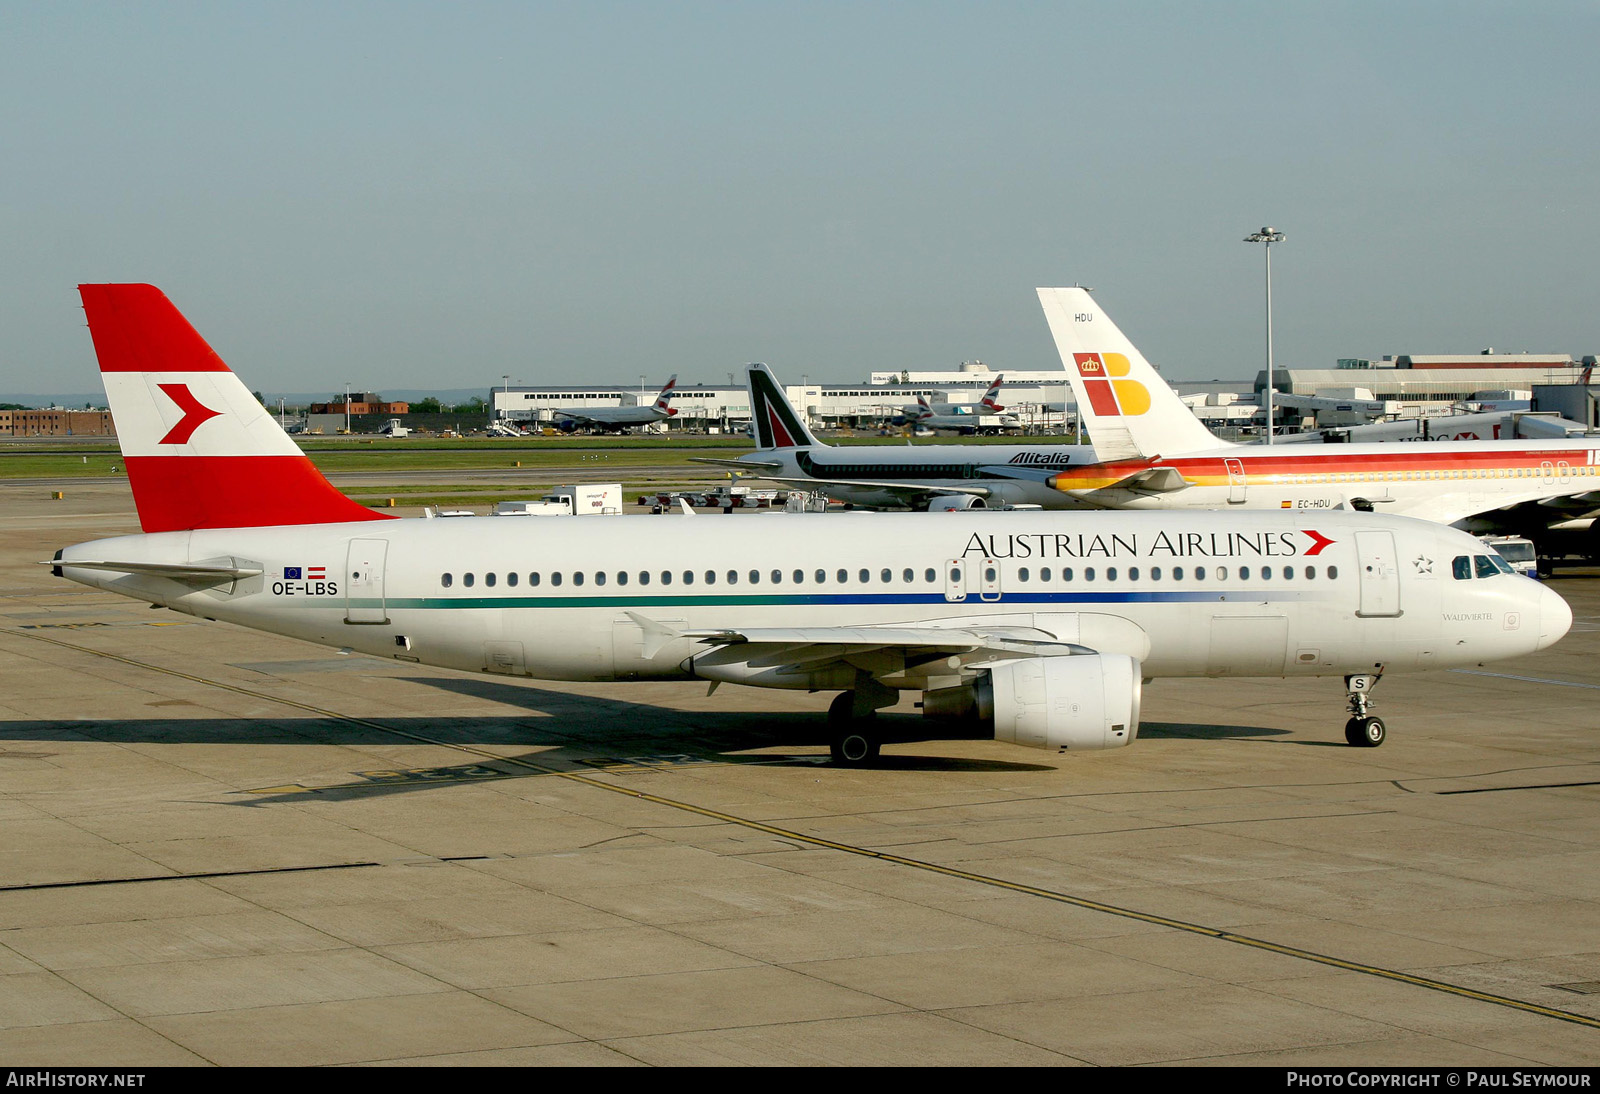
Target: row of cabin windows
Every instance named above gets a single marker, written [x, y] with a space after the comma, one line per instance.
[1024, 575]
[688, 577]
[1546, 472]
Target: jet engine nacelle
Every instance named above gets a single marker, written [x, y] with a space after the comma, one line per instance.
[951, 502]
[567, 425]
[1069, 703]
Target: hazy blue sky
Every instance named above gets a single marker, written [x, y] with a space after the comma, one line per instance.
[405, 195]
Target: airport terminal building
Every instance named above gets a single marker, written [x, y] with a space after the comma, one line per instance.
[1041, 401]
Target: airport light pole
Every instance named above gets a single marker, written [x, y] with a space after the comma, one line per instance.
[347, 408]
[1268, 236]
[505, 411]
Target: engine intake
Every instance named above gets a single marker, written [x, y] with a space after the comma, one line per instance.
[1068, 703]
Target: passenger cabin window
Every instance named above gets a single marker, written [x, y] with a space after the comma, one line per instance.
[447, 580]
[644, 577]
[555, 578]
[468, 580]
[577, 578]
[533, 578]
[511, 579]
[488, 579]
[600, 577]
[666, 577]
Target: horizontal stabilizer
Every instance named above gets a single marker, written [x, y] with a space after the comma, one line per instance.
[179, 571]
[739, 465]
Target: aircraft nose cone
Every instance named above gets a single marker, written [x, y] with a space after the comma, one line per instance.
[1555, 617]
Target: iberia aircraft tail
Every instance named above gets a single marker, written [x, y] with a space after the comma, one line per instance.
[200, 450]
[1128, 407]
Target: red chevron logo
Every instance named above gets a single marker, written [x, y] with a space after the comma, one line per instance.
[194, 413]
[1321, 541]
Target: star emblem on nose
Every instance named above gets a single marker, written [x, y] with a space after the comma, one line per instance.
[1423, 565]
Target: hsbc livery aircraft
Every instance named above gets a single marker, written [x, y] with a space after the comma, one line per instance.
[1042, 625]
[1157, 455]
[611, 419]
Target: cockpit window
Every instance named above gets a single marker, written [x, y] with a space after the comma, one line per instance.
[1501, 564]
[1484, 565]
[1461, 568]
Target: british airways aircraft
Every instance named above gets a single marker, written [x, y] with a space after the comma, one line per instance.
[1041, 626]
[614, 419]
[964, 418]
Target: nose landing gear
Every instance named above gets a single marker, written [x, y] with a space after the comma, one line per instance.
[1363, 730]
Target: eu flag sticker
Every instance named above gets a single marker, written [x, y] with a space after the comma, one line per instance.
[291, 573]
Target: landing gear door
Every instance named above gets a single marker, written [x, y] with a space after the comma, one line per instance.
[955, 580]
[1379, 573]
[363, 581]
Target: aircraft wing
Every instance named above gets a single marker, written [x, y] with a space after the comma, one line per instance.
[873, 648]
[911, 491]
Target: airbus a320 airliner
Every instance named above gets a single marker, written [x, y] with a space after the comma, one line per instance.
[1042, 625]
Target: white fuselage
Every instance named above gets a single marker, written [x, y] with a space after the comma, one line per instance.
[1186, 594]
[832, 469]
[1443, 481]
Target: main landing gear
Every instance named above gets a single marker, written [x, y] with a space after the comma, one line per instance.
[1363, 730]
[854, 737]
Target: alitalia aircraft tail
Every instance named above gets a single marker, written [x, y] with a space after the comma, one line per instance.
[777, 424]
[1128, 408]
[200, 450]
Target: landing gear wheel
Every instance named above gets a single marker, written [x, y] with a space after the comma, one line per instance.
[854, 748]
[1368, 732]
[854, 743]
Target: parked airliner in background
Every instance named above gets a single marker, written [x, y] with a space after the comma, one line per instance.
[1042, 625]
[614, 419]
[1157, 455]
[963, 417]
[946, 476]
